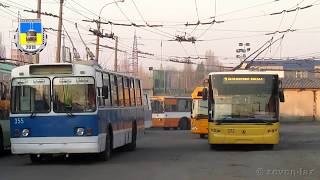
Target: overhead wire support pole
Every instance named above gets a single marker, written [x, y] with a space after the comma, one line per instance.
[99, 26]
[58, 52]
[116, 54]
[39, 17]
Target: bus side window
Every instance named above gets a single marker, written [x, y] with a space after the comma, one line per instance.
[106, 87]
[114, 90]
[99, 94]
[138, 92]
[126, 91]
[120, 91]
[132, 94]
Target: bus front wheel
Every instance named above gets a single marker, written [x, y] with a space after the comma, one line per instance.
[106, 154]
[269, 146]
[1, 141]
[132, 146]
[35, 159]
[202, 136]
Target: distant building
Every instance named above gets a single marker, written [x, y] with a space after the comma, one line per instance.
[173, 83]
[21, 58]
[301, 84]
[292, 68]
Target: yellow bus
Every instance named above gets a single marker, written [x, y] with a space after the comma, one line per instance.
[244, 108]
[199, 113]
[171, 112]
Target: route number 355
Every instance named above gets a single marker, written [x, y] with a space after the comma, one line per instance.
[18, 121]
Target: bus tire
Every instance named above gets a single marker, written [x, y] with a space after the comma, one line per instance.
[1, 141]
[35, 159]
[132, 146]
[166, 128]
[184, 124]
[269, 146]
[202, 136]
[216, 147]
[106, 154]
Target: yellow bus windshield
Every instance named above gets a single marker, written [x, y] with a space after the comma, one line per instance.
[244, 98]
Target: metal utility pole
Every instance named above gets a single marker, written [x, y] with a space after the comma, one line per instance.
[135, 62]
[98, 40]
[39, 17]
[99, 26]
[116, 54]
[58, 52]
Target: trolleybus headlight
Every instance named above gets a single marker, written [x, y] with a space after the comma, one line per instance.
[25, 132]
[80, 131]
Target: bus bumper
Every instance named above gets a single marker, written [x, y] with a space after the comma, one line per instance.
[244, 134]
[263, 139]
[56, 145]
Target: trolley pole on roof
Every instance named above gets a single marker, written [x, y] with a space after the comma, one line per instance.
[58, 52]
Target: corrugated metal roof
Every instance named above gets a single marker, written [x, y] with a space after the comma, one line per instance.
[292, 64]
[301, 83]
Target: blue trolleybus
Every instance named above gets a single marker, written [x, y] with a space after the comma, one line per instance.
[73, 108]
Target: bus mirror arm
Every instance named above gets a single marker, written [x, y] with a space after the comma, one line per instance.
[205, 94]
[281, 95]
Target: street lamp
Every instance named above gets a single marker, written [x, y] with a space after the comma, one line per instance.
[242, 51]
[98, 27]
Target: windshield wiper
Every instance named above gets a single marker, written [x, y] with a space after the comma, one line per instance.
[70, 114]
[68, 111]
[33, 114]
[266, 122]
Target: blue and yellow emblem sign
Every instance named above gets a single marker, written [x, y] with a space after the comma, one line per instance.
[30, 37]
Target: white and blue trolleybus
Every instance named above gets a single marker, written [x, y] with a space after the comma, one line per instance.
[73, 108]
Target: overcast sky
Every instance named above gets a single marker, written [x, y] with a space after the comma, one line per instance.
[244, 21]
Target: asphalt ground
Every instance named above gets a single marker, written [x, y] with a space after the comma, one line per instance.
[180, 155]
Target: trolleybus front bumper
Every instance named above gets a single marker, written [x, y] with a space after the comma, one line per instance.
[57, 145]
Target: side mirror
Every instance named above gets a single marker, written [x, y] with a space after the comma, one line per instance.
[281, 95]
[205, 94]
[105, 92]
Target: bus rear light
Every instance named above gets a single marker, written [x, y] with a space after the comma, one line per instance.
[89, 132]
[17, 133]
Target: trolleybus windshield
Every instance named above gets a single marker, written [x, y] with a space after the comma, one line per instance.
[31, 95]
[200, 108]
[74, 94]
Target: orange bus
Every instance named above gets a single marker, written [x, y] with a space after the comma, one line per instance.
[199, 113]
[171, 112]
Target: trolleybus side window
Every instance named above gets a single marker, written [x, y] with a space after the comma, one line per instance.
[4, 100]
[114, 90]
[126, 91]
[31, 95]
[132, 94]
[170, 105]
[138, 92]
[120, 91]
[99, 94]
[106, 87]
[184, 105]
